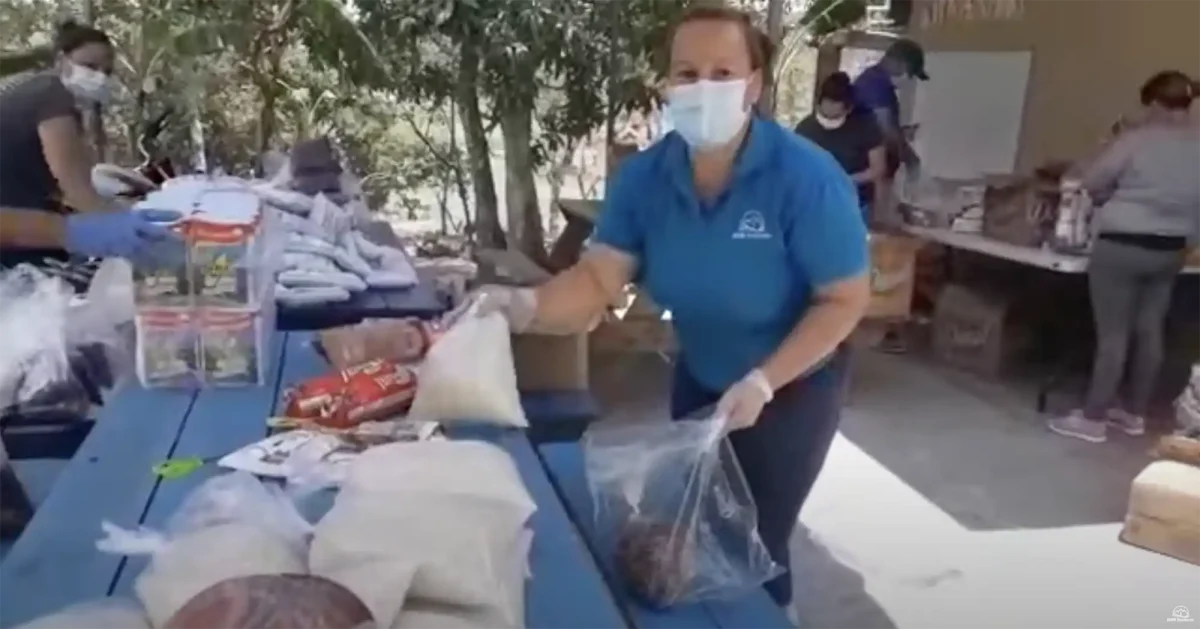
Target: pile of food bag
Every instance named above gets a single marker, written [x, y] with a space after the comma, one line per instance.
[327, 258]
[62, 352]
[420, 535]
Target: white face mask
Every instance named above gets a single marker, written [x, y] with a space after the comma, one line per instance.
[830, 123]
[88, 85]
[708, 114]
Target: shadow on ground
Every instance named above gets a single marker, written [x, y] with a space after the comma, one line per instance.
[829, 593]
[980, 452]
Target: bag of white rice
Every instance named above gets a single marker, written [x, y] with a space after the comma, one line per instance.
[230, 526]
[468, 375]
[437, 522]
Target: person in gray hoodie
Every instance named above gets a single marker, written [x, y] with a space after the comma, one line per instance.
[1147, 194]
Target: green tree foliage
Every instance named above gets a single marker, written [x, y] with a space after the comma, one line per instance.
[413, 90]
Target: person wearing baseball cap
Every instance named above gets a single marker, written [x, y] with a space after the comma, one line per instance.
[875, 95]
[875, 91]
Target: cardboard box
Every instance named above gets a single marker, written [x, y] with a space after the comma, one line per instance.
[893, 276]
[543, 362]
[976, 329]
[1164, 511]
[550, 363]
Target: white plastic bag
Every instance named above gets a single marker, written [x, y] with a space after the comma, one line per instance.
[231, 526]
[104, 613]
[439, 522]
[61, 351]
[672, 507]
[1187, 405]
[468, 375]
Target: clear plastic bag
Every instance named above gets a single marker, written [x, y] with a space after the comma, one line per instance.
[231, 526]
[432, 522]
[62, 353]
[673, 508]
[104, 613]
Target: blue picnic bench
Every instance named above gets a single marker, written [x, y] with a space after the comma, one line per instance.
[55, 562]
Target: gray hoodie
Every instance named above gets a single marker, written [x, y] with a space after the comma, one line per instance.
[1148, 182]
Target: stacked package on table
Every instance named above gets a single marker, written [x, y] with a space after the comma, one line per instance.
[205, 309]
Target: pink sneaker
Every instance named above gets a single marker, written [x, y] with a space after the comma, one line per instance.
[1127, 422]
[1076, 425]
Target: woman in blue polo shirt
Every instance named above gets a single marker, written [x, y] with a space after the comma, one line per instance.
[752, 238]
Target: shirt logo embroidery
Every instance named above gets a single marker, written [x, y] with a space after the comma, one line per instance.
[752, 225]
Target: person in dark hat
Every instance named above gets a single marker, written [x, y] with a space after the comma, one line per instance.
[875, 95]
[875, 90]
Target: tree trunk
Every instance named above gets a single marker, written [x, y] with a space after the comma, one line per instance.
[460, 183]
[525, 231]
[94, 118]
[488, 232]
[266, 124]
[766, 104]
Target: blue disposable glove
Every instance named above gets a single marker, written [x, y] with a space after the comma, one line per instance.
[123, 234]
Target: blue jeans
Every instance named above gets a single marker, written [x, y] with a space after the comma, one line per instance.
[782, 454]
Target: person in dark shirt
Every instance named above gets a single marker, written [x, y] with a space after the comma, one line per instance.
[854, 140]
[48, 205]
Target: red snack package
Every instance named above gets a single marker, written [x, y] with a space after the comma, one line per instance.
[371, 391]
[397, 340]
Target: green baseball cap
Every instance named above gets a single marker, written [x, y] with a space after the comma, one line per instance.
[913, 56]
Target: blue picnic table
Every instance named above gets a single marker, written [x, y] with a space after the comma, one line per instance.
[55, 562]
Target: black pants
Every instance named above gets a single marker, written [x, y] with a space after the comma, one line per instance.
[781, 454]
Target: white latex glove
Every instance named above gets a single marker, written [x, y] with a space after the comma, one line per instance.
[744, 401]
[518, 305]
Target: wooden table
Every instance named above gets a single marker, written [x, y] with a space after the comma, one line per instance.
[55, 562]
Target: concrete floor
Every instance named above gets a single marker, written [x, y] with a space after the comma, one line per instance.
[946, 503]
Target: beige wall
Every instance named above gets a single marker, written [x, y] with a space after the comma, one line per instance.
[1090, 57]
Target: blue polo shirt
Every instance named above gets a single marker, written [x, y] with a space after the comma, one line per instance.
[875, 89]
[738, 273]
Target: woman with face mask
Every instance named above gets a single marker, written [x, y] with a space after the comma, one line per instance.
[48, 205]
[752, 238]
[1147, 198]
[855, 141]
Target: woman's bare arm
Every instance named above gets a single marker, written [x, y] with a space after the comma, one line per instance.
[70, 161]
[574, 299]
[31, 229]
[831, 318]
